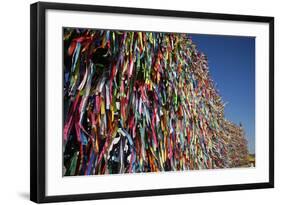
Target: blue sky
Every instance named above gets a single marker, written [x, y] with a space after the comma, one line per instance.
[231, 62]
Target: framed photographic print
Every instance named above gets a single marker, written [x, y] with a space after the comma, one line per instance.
[129, 102]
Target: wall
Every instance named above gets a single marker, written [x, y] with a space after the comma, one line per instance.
[14, 103]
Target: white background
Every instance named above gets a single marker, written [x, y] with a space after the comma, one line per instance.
[14, 101]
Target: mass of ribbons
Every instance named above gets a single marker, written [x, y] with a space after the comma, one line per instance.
[137, 102]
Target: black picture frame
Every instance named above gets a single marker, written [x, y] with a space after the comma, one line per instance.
[38, 100]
